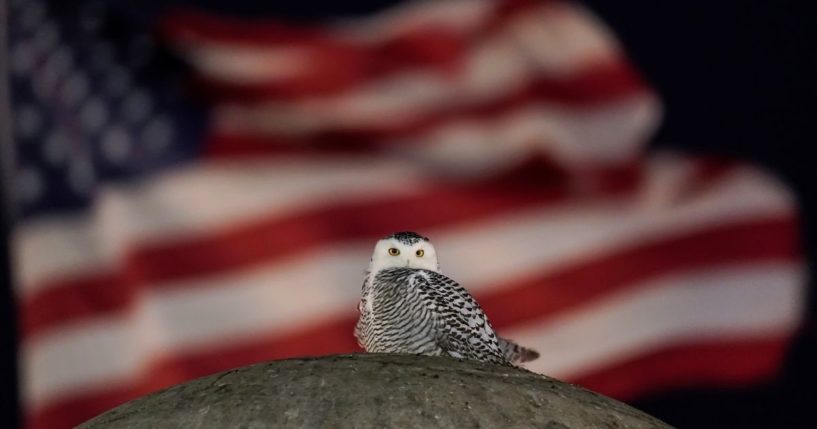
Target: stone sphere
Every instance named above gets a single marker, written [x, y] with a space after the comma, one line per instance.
[374, 391]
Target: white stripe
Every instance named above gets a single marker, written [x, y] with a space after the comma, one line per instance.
[280, 297]
[209, 197]
[562, 38]
[389, 102]
[745, 302]
[749, 301]
[204, 200]
[603, 136]
[554, 40]
[254, 64]
[411, 98]
[197, 200]
[543, 240]
[606, 134]
[246, 65]
[182, 205]
[461, 16]
[670, 172]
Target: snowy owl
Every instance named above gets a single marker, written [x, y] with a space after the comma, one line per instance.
[408, 306]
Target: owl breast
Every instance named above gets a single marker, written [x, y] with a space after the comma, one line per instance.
[393, 318]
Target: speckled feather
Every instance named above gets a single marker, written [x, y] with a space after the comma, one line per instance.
[424, 312]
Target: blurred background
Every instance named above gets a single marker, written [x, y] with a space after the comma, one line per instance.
[192, 186]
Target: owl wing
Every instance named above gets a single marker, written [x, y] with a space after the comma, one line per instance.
[363, 316]
[462, 329]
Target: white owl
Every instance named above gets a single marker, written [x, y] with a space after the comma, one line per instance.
[408, 306]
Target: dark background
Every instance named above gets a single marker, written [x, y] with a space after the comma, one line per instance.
[736, 79]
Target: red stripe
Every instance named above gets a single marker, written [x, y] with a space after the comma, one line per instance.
[519, 301]
[330, 338]
[524, 302]
[723, 363]
[603, 84]
[276, 239]
[719, 363]
[193, 25]
[330, 62]
[545, 294]
[97, 294]
[709, 169]
[593, 84]
[330, 68]
[329, 65]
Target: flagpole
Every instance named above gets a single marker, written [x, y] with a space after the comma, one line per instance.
[9, 399]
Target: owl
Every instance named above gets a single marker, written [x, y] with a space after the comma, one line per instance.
[408, 306]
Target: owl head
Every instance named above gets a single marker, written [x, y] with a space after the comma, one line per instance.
[404, 249]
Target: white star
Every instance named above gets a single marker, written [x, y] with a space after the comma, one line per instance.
[55, 148]
[75, 89]
[29, 121]
[81, 175]
[117, 81]
[136, 107]
[22, 58]
[46, 36]
[30, 185]
[93, 115]
[60, 61]
[158, 134]
[57, 65]
[116, 144]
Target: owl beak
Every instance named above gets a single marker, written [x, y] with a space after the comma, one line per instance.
[408, 262]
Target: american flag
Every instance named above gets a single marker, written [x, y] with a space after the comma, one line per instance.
[205, 194]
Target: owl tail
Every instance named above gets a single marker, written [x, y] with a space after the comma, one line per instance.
[516, 353]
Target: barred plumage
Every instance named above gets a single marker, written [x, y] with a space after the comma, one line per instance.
[408, 306]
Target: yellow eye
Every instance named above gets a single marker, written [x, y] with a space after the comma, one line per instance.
[420, 253]
[393, 251]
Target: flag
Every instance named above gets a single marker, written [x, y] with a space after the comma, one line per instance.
[206, 194]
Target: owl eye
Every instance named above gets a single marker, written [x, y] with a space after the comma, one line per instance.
[420, 253]
[393, 251]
